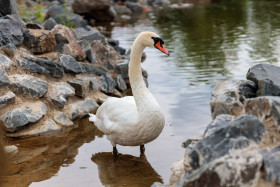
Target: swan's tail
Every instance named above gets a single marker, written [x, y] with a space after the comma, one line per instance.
[92, 117]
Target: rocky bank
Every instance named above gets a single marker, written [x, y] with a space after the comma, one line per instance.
[241, 146]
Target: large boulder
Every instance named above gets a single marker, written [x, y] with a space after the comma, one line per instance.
[66, 42]
[265, 108]
[19, 117]
[10, 31]
[238, 168]
[59, 93]
[271, 160]
[27, 84]
[82, 108]
[237, 135]
[8, 7]
[266, 76]
[39, 41]
[228, 97]
[221, 121]
[100, 10]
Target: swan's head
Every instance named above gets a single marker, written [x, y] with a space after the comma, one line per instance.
[151, 39]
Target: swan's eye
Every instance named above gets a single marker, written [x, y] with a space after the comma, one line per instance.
[158, 43]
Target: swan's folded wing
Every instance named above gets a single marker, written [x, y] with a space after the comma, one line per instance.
[117, 114]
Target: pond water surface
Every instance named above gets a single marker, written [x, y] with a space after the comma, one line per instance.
[208, 43]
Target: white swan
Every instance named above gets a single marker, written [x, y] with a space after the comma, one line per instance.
[138, 119]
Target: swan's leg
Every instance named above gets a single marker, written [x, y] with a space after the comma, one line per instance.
[115, 151]
[142, 149]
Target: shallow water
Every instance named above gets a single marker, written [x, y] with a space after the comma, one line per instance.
[209, 43]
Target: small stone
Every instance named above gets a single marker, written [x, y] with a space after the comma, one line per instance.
[53, 69]
[107, 84]
[48, 126]
[31, 66]
[49, 24]
[92, 69]
[89, 34]
[5, 62]
[59, 93]
[39, 41]
[122, 68]
[6, 99]
[93, 86]
[82, 108]
[267, 79]
[81, 86]
[121, 85]
[4, 79]
[70, 64]
[19, 117]
[27, 84]
[11, 149]
[62, 119]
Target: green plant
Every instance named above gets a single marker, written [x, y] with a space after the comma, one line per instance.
[66, 20]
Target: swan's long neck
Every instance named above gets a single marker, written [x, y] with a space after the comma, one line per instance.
[141, 94]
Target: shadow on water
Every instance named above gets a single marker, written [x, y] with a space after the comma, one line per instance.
[125, 170]
[39, 158]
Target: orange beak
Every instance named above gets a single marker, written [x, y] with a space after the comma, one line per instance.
[161, 47]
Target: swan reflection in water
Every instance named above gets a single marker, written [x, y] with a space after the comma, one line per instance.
[125, 170]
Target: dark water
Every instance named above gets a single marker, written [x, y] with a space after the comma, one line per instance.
[209, 42]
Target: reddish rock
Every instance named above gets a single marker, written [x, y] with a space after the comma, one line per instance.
[66, 42]
[39, 41]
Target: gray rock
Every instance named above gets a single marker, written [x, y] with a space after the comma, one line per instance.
[39, 41]
[5, 62]
[271, 160]
[6, 99]
[122, 10]
[218, 123]
[62, 119]
[236, 135]
[99, 9]
[4, 79]
[82, 108]
[48, 126]
[113, 42]
[237, 168]
[88, 69]
[9, 49]
[70, 64]
[31, 66]
[27, 84]
[8, 7]
[121, 85]
[10, 32]
[89, 34]
[19, 117]
[93, 84]
[265, 108]
[134, 7]
[49, 24]
[267, 79]
[122, 68]
[54, 69]
[107, 84]
[81, 86]
[59, 93]
[89, 54]
[65, 17]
